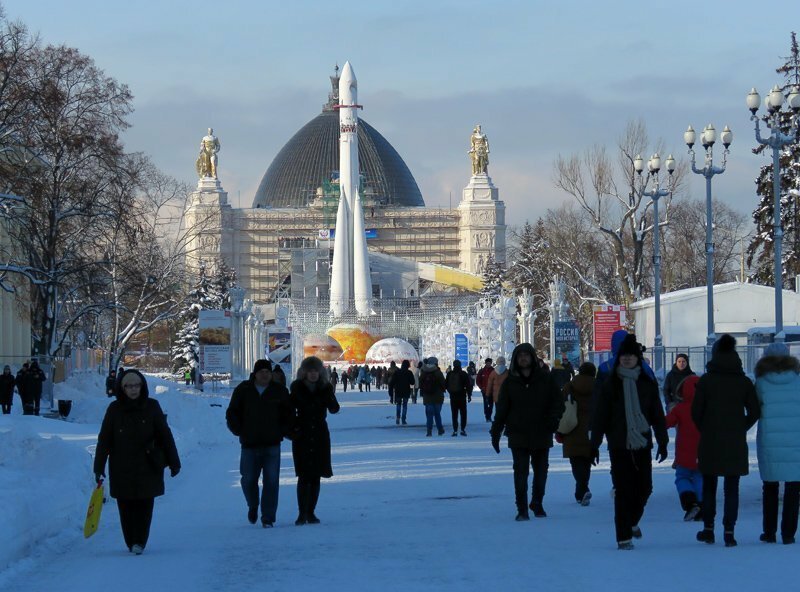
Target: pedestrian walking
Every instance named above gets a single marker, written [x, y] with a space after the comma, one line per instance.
[415, 369]
[345, 379]
[576, 445]
[334, 379]
[482, 380]
[138, 445]
[401, 383]
[111, 383]
[628, 413]
[7, 382]
[529, 408]
[680, 371]
[260, 415]
[688, 479]
[458, 386]
[25, 401]
[32, 382]
[432, 386]
[778, 390]
[725, 406]
[497, 378]
[311, 398]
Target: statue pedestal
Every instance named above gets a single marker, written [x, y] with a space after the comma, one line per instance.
[209, 192]
[482, 229]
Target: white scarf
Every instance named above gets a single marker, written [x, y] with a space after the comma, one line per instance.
[637, 425]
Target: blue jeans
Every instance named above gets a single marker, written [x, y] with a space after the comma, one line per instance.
[689, 480]
[402, 406]
[434, 411]
[252, 463]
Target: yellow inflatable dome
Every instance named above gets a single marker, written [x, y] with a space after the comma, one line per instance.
[355, 341]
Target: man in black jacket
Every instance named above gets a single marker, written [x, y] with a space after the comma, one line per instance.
[529, 408]
[459, 387]
[260, 414]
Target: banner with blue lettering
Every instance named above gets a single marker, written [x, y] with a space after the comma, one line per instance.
[568, 341]
[462, 349]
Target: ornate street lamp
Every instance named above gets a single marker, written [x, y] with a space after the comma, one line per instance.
[653, 169]
[708, 139]
[776, 140]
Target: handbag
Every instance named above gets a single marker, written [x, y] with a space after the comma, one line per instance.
[569, 420]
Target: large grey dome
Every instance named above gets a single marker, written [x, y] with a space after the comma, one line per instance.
[311, 156]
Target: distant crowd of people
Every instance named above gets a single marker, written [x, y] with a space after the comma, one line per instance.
[28, 384]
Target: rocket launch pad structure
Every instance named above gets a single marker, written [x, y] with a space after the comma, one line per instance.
[350, 275]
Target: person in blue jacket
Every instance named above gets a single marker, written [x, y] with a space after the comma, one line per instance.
[778, 391]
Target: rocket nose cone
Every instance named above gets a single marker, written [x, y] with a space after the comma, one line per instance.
[348, 85]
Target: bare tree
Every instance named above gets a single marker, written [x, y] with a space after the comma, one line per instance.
[609, 190]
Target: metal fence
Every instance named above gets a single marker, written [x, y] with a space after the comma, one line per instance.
[662, 360]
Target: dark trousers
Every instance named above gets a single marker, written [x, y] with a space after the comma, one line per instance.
[135, 517]
[632, 476]
[581, 470]
[791, 505]
[253, 463]
[731, 507]
[37, 399]
[458, 406]
[523, 459]
[488, 405]
[307, 495]
[402, 407]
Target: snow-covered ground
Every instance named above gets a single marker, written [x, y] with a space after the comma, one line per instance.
[403, 512]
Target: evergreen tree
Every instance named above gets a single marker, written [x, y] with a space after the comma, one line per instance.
[210, 292]
[493, 275]
[761, 247]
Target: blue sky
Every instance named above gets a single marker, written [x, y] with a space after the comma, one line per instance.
[543, 78]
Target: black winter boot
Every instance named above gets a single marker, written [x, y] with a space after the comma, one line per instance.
[302, 503]
[728, 538]
[706, 536]
[690, 506]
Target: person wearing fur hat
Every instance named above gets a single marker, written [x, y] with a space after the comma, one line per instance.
[725, 406]
[680, 371]
[688, 479]
[778, 391]
[260, 415]
[138, 444]
[312, 398]
[576, 446]
[528, 411]
[629, 413]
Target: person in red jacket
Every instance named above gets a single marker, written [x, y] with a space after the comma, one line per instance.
[688, 479]
[482, 381]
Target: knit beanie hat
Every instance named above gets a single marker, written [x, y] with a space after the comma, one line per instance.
[777, 350]
[262, 365]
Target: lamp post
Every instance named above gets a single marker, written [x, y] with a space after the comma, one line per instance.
[653, 168]
[776, 140]
[708, 139]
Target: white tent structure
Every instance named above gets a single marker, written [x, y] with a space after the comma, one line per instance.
[737, 308]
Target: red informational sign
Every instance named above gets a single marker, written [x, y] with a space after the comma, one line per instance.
[607, 319]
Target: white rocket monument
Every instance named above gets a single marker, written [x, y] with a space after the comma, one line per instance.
[350, 277]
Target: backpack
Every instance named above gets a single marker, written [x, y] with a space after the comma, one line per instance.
[455, 382]
[427, 382]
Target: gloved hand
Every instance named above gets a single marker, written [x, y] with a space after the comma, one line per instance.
[496, 443]
[595, 457]
[174, 472]
[661, 455]
[98, 477]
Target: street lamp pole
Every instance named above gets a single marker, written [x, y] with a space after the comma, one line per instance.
[776, 140]
[708, 138]
[653, 168]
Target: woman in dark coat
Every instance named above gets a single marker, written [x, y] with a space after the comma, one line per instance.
[725, 406]
[7, 381]
[576, 444]
[629, 413]
[312, 397]
[138, 444]
[680, 371]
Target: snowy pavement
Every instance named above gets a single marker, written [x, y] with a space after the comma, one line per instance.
[403, 512]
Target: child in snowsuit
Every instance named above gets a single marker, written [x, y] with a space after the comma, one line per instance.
[688, 479]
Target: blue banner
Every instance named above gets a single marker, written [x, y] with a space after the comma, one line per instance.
[369, 233]
[462, 349]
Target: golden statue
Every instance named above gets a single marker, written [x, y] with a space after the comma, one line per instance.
[206, 164]
[479, 151]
